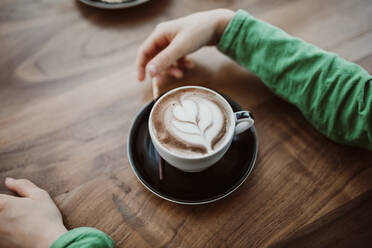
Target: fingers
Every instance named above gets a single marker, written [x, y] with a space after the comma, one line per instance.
[175, 72]
[157, 40]
[165, 45]
[178, 68]
[164, 59]
[185, 63]
[25, 188]
[174, 39]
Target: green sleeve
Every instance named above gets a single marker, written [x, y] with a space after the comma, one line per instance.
[333, 94]
[83, 237]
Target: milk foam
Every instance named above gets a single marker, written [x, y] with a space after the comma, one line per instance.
[192, 122]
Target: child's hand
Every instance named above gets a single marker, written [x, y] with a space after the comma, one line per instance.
[165, 49]
[32, 220]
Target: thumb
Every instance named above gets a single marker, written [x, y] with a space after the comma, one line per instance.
[175, 50]
[25, 188]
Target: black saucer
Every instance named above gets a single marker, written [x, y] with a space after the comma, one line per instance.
[190, 188]
[106, 5]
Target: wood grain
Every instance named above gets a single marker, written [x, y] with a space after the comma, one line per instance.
[347, 226]
[68, 95]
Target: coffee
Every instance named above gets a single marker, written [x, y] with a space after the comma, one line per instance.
[191, 122]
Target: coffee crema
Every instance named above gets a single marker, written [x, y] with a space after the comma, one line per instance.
[191, 122]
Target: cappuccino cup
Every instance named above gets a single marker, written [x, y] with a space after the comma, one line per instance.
[192, 127]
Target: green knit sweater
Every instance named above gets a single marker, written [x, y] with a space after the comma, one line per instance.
[333, 94]
[84, 237]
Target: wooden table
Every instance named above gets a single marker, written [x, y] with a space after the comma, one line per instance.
[68, 95]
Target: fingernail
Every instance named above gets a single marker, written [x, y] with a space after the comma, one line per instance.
[152, 69]
[9, 179]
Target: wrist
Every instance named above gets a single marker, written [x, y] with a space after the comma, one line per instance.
[51, 235]
[224, 16]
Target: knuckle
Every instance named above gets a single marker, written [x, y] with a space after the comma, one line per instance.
[141, 48]
[164, 60]
[160, 26]
[141, 51]
[43, 194]
[24, 181]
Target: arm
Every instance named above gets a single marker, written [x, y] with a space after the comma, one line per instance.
[333, 94]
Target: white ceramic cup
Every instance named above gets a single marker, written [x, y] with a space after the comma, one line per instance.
[240, 122]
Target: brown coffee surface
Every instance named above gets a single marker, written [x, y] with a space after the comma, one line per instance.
[191, 122]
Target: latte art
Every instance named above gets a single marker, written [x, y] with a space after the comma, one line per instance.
[196, 121]
[191, 121]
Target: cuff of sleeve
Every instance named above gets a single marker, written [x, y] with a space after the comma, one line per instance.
[232, 31]
[83, 237]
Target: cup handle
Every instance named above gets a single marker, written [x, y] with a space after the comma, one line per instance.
[243, 121]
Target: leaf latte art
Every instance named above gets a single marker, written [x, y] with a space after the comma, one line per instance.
[191, 121]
